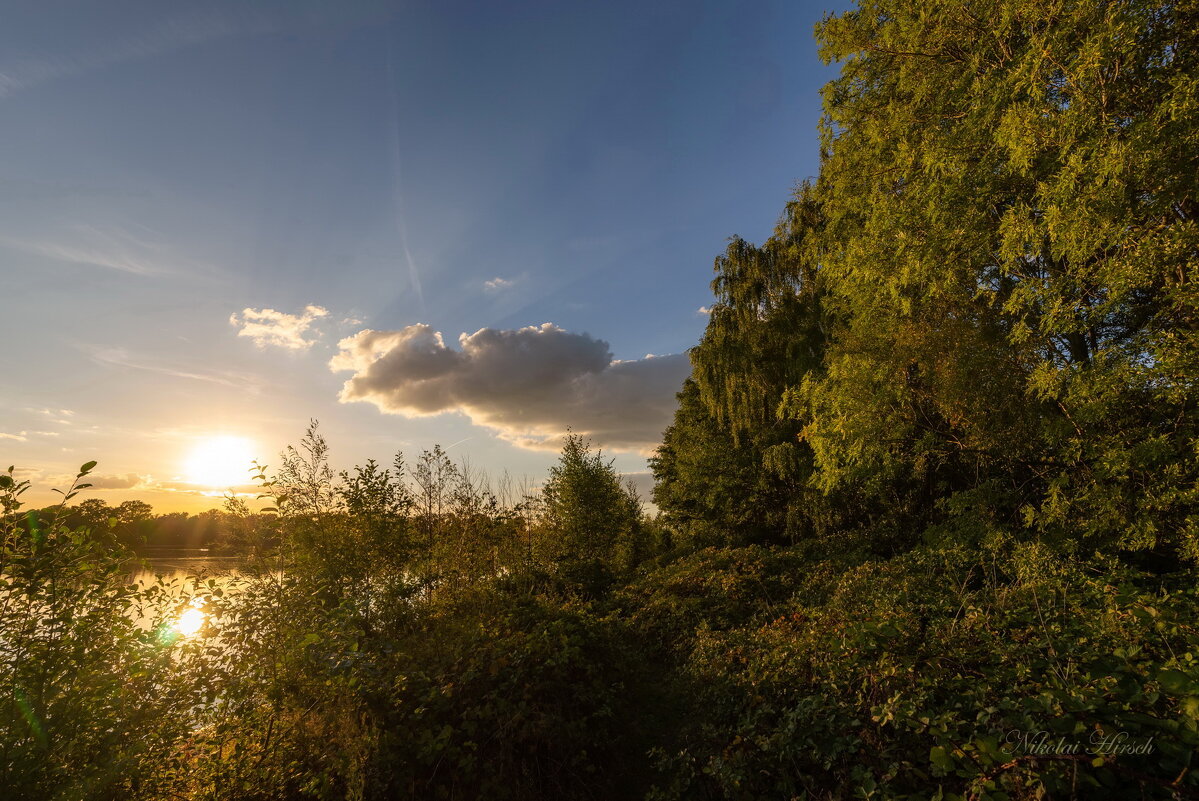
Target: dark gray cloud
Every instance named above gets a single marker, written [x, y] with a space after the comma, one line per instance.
[529, 384]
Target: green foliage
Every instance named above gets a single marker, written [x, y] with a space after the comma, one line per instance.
[936, 674]
[89, 708]
[709, 487]
[588, 513]
[528, 700]
[981, 316]
[1009, 197]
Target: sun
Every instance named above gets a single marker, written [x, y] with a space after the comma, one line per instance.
[220, 462]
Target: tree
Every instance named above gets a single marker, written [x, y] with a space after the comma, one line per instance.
[435, 476]
[1009, 200]
[78, 675]
[710, 488]
[94, 513]
[134, 521]
[587, 510]
[732, 467]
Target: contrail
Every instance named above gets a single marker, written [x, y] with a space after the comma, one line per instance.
[401, 225]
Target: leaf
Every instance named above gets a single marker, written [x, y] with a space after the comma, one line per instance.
[1176, 682]
[940, 757]
[86, 467]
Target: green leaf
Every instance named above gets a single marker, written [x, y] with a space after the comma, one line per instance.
[1176, 682]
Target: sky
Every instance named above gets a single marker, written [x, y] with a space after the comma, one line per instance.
[473, 224]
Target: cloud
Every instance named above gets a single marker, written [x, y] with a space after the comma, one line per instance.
[498, 284]
[270, 327]
[127, 481]
[704, 310]
[23, 436]
[53, 412]
[110, 246]
[191, 488]
[150, 484]
[172, 34]
[120, 357]
[530, 384]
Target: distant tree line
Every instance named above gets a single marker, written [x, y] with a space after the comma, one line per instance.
[134, 525]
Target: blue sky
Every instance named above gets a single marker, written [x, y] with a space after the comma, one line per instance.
[167, 166]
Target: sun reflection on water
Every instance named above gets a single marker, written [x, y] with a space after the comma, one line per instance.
[190, 621]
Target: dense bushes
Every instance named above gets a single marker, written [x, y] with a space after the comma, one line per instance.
[936, 673]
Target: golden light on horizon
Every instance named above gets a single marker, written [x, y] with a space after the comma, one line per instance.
[220, 462]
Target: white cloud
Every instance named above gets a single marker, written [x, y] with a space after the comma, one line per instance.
[270, 327]
[530, 384]
[704, 310]
[498, 284]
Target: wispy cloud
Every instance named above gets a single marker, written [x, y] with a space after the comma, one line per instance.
[120, 357]
[54, 412]
[173, 34]
[105, 246]
[270, 327]
[19, 436]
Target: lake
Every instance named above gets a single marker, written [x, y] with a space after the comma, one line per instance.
[174, 566]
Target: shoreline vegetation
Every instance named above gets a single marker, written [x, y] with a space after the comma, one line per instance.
[928, 509]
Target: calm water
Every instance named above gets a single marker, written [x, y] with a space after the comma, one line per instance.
[183, 564]
[175, 568]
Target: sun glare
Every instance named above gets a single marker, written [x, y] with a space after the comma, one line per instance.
[220, 462]
[190, 622]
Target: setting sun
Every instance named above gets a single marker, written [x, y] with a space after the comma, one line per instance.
[220, 462]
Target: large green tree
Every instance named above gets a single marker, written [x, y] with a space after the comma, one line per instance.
[1009, 196]
[982, 317]
[731, 467]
